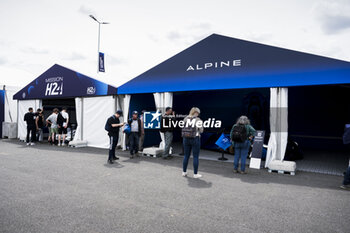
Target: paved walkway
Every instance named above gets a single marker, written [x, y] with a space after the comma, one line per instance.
[54, 189]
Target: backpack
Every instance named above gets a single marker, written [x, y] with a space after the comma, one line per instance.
[239, 133]
[188, 131]
[60, 119]
[107, 126]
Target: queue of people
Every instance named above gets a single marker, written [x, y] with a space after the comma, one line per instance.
[241, 135]
[57, 124]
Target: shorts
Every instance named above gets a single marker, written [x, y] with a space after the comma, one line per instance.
[62, 130]
[53, 130]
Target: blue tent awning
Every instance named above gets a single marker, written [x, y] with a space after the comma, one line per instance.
[61, 82]
[220, 62]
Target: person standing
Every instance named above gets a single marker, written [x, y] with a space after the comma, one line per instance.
[191, 133]
[135, 133]
[241, 135]
[62, 123]
[52, 119]
[29, 117]
[39, 122]
[142, 137]
[346, 181]
[167, 128]
[346, 140]
[112, 126]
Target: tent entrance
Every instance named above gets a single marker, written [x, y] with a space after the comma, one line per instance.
[69, 103]
[226, 106]
[317, 116]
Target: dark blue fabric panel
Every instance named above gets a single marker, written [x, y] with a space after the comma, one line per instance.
[261, 66]
[141, 102]
[60, 82]
[318, 114]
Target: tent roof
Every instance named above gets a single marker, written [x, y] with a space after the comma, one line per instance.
[61, 82]
[220, 62]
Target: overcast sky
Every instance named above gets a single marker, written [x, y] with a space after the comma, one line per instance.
[35, 34]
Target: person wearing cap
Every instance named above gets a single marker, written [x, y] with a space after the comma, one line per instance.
[135, 133]
[112, 126]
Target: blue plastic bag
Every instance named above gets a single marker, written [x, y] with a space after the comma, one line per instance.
[223, 142]
[127, 129]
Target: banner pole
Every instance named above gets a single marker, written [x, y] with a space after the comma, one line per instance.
[98, 48]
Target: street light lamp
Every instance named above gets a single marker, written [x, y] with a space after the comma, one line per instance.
[98, 43]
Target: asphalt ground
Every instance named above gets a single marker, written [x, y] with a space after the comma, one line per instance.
[53, 189]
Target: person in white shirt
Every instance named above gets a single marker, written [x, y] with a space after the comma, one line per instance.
[52, 119]
[62, 126]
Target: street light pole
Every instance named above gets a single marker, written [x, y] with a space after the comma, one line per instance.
[98, 42]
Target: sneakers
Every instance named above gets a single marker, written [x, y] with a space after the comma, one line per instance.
[28, 144]
[184, 174]
[32, 144]
[59, 144]
[243, 172]
[345, 187]
[235, 171]
[196, 176]
[63, 144]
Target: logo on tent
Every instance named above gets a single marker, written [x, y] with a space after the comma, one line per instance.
[151, 120]
[90, 91]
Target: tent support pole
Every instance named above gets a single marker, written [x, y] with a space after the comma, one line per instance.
[82, 119]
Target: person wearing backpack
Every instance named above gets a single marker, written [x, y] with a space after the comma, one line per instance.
[29, 117]
[191, 141]
[112, 126]
[241, 135]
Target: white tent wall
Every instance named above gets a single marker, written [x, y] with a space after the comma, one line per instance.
[23, 106]
[279, 125]
[163, 100]
[124, 102]
[10, 103]
[79, 114]
[96, 111]
[120, 106]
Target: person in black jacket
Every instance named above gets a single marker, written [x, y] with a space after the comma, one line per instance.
[113, 125]
[39, 123]
[29, 117]
[167, 128]
[135, 133]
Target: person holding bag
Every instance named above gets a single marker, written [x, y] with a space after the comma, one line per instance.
[191, 141]
[112, 126]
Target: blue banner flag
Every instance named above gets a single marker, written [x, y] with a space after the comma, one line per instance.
[101, 62]
[223, 142]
